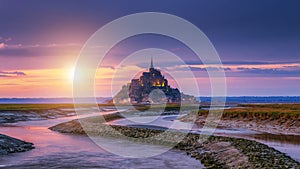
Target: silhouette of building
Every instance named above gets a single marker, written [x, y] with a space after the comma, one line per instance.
[151, 87]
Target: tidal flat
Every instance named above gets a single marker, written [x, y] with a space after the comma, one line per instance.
[269, 118]
[215, 152]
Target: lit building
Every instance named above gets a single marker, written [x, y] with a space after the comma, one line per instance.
[151, 87]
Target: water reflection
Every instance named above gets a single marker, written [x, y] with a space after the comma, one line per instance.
[55, 150]
[288, 139]
[285, 143]
[288, 144]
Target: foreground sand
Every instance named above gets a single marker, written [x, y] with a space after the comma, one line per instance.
[215, 152]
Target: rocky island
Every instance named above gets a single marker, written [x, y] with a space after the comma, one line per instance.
[151, 88]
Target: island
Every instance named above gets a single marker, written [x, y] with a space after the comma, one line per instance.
[151, 88]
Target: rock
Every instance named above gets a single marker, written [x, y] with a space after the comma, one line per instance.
[12, 145]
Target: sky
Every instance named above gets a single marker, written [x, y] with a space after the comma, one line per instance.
[258, 43]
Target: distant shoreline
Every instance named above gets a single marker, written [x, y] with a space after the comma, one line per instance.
[204, 99]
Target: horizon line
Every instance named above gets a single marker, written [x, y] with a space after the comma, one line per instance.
[111, 97]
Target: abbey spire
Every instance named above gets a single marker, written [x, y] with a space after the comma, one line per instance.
[151, 64]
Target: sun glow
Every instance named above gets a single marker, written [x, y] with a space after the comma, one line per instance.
[70, 73]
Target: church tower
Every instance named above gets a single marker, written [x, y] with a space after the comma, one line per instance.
[151, 64]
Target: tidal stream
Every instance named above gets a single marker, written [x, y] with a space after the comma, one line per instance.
[59, 150]
[56, 150]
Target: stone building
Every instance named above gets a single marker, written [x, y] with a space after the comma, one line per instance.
[151, 87]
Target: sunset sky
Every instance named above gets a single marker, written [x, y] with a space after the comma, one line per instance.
[258, 43]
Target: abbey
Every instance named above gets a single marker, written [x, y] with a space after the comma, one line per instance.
[140, 89]
[151, 87]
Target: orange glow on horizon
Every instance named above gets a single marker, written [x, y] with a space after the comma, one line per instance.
[57, 82]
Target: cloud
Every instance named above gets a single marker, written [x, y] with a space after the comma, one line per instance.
[6, 51]
[21, 50]
[251, 70]
[3, 42]
[2, 45]
[241, 62]
[11, 74]
[210, 68]
[9, 84]
[3, 39]
[286, 71]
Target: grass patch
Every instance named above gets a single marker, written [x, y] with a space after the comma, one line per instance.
[34, 106]
[261, 111]
[167, 107]
[28, 107]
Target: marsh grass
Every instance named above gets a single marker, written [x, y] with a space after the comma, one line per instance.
[167, 107]
[261, 111]
[40, 107]
[28, 107]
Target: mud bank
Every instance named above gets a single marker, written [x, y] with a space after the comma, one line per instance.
[286, 126]
[213, 151]
[12, 145]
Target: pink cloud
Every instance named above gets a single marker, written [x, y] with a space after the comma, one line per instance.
[5, 39]
[2, 45]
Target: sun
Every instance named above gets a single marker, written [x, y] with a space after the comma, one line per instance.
[70, 74]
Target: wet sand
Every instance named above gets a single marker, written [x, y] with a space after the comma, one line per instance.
[252, 154]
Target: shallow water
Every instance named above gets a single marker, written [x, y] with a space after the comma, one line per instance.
[58, 150]
[287, 144]
[284, 143]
